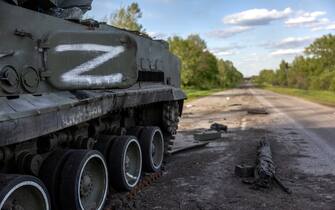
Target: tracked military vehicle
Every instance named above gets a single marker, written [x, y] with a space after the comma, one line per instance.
[84, 107]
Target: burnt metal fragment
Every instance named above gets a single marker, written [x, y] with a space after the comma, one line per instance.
[207, 135]
[257, 111]
[265, 170]
[244, 171]
[219, 127]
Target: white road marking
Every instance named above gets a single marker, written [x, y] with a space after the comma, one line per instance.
[244, 124]
[74, 76]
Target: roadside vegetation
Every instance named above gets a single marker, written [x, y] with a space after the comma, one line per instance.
[324, 97]
[194, 93]
[311, 75]
[202, 73]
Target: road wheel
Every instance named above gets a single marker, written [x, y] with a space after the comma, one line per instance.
[104, 144]
[50, 172]
[125, 163]
[152, 144]
[22, 192]
[83, 181]
[135, 131]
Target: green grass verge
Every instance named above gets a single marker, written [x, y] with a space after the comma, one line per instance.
[318, 96]
[193, 93]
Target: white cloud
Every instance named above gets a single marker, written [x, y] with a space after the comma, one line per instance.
[283, 52]
[225, 33]
[308, 19]
[225, 51]
[256, 17]
[331, 26]
[291, 42]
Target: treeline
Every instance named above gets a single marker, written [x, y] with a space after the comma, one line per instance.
[200, 68]
[314, 70]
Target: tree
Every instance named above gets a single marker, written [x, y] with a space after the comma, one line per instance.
[127, 18]
[266, 76]
[323, 50]
[229, 76]
[200, 68]
[315, 70]
[282, 74]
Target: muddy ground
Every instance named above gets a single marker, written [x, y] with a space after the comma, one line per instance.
[204, 178]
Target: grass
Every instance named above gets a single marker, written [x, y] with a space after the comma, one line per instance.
[193, 93]
[319, 96]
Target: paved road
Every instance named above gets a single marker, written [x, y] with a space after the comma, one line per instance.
[300, 134]
[316, 121]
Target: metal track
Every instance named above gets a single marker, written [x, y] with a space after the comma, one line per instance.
[117, 201]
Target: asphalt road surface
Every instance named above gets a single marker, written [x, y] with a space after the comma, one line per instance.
[314, 121]
[302, 138]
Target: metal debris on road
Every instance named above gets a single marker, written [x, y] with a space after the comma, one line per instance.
[257, 111]
[231, 105]
[244, 171]
[265, 171]
[190, 147]
[207, 135]
[219, 127]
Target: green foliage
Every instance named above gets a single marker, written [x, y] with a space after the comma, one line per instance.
[323, 50]
[200, 68]
[315, 71]
[127, 18]
[194, 93]
[281, 75]
[266, 76]
[325, 97]
[229, 76]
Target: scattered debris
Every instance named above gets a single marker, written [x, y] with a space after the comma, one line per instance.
[282, 186]
[190, 147]
[244, 171]
[207, 135]
[264, 171]
[219, 127]
[257, 111]
[235, 105]
[189, 105]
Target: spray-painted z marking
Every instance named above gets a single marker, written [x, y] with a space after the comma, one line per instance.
[74, 76]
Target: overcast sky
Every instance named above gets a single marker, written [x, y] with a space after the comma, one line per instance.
[254, 34]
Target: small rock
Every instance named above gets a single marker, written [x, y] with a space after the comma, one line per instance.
[329, 197]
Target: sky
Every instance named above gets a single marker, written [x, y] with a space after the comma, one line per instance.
[254, 34]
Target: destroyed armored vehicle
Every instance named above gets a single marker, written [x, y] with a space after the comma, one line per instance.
[84, 107]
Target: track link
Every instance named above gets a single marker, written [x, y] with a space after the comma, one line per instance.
[126, 200]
